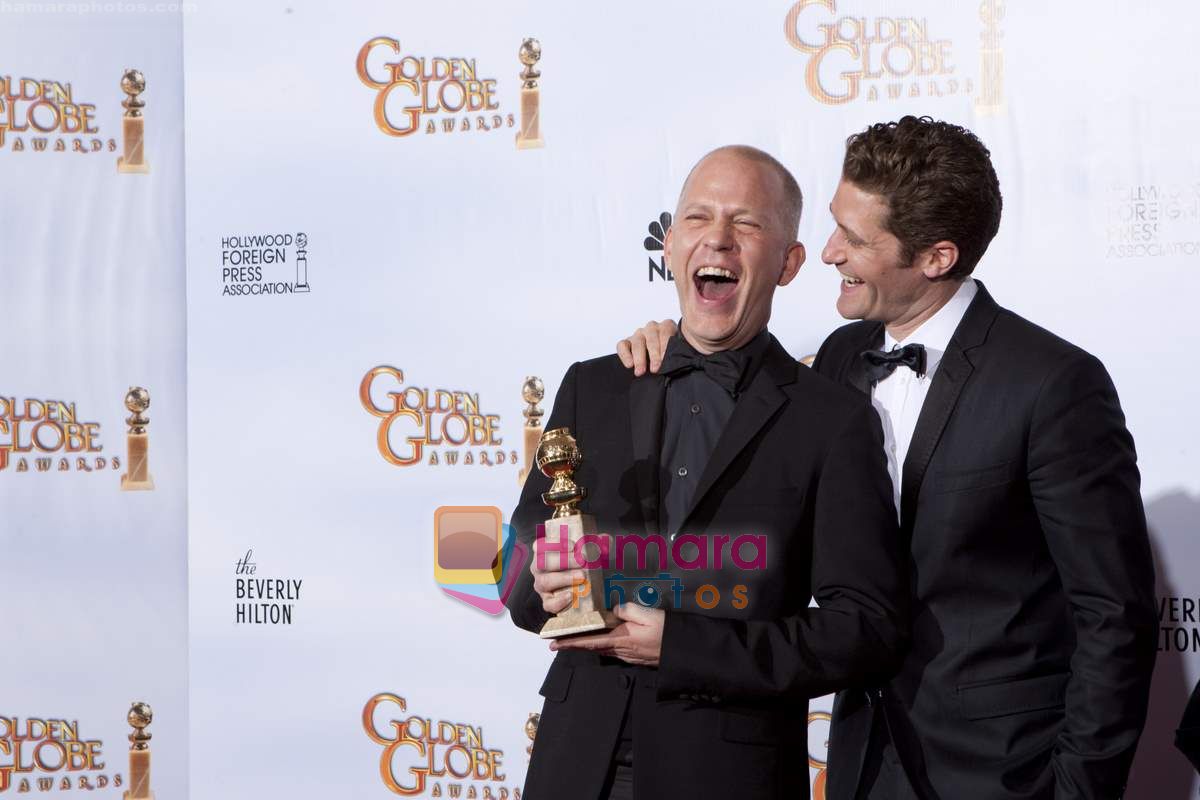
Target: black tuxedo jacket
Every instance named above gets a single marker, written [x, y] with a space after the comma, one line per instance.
[800, 463]
[1033, 618]
[1187, 738]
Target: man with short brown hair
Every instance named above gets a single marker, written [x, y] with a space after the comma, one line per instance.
[1033, 627]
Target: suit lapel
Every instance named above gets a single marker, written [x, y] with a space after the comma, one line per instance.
[952, 374]
[754, 409]
[646, 416]
[856, 370]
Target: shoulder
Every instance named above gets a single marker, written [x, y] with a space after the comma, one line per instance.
[607, 367]
[851, 334]
[825, 405]
[850, 338]
[1034, 348]
[603, 374]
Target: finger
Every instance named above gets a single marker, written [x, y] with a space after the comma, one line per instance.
[573, 643]
[625, 353]
[596, 641]
[547, 557]
[546, 582]
[657, 344]
[637, 346]
[632, 612]
[555, 602]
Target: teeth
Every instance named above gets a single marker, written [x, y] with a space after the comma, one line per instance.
[849, 281]
[715, 272]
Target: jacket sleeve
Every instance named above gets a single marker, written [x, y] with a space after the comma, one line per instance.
[1187, 738]
[524, 604]
[1085, 485]
[860, 581]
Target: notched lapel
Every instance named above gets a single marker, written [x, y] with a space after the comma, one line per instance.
[948, 382]
[646, 396]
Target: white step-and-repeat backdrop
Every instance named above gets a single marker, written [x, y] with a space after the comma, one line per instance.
[92, 304]
[373, 267]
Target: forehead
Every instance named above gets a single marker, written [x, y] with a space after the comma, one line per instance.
[732, 179]
[854, 205]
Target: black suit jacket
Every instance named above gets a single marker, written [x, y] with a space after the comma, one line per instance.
[1033, 618]
[1187, 738]
[800, 463]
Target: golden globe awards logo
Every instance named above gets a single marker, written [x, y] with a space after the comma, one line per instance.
[819, 764]
[431, 426]
[889, 58]
[443, 759]
[49, 754]
[438, 95]
[45, 435]
[43, 115]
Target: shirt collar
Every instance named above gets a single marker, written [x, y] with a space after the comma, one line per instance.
[935, 333]
[755, 350]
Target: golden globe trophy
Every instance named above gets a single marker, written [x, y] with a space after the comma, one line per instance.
[558, 457]
[991, 59]
[532, 392]
[140, 717]
[531, 726]
[530, 134]
[137, 443]
[133, 83]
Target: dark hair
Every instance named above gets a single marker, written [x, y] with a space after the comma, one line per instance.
[793, 200]
[937, 181]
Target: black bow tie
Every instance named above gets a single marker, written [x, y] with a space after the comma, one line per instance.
[880, 364]
[726, 367]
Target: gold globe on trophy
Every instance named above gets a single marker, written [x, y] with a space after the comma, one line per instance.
[558, 457]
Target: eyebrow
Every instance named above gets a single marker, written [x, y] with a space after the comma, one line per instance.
[844, 227]
[700, 205]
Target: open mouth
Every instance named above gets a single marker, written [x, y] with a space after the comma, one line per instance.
[849, 282]
[715, 283]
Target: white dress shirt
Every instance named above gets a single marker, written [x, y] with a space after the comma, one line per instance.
[898, 397]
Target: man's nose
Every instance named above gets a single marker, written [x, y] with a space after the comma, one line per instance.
[719, 236]
[833, 253]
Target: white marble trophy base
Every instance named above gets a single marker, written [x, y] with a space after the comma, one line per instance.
[588, 614]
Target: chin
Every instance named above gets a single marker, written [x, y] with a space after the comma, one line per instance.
[848, 311]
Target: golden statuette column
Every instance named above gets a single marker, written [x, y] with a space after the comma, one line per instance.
[133, 83]
[140, 717]
[532, 392]
[530, 134]
[991, 59]
[531, 726]
[137, 442]
[558, 457]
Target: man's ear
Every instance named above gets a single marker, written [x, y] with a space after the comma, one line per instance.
[793, 260]
[667, 247]
[938, 259]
